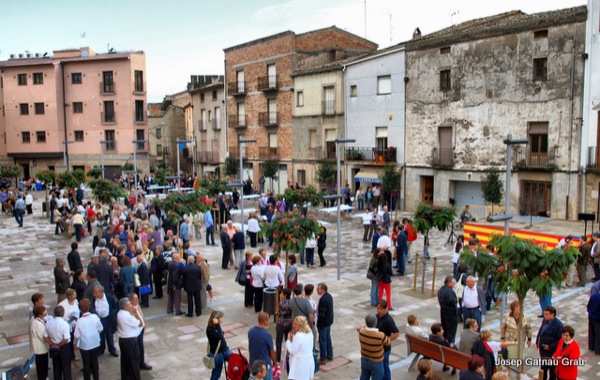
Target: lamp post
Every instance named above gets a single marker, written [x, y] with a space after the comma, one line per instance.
[65, 155]
[240, 142]
[178, 161]
[507, 216]
[135, 145]
[102, 143]
[338, 142]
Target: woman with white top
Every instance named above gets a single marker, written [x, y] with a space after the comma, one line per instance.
[311, 244]
[458, 248]
[300, 348]
[71, 306]
[253, 229]
[273, 274]
[257, 273]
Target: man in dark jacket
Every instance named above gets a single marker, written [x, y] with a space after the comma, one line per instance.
[105, 272]
[547, 339]
[239, 247]
[61, 279]
[448, 313]
[226, 246]
[192, 284]
[324, 322]
[74, 258]
[157, 266]
[144, 275]
[174, 269]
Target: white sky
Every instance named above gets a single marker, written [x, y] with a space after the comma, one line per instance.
[185, 37]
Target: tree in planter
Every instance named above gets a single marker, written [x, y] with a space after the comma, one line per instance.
[432, 216]
[300, 197]
[127, 167]
[70, 179]
[270, 169]
[13, 172]
[519, 266]
[47, 177]
[79, 175]
[106, 190]
[391, 181]
[176, 205]
[326, 172]
[95, 173]
[231, 167]
[160, 176]
[491, 187]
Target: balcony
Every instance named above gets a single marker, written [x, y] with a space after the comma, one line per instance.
[524, 159]
[442, 158]
[328, 107]
[209, 157]
[108, 118]
[107, 88]
[202, 125]
[141, 118]
[138, 89]
[267, 153]
[268, 83]
[237, 121]
[110, 146]
[215, 124]
[268, 119]
[372, 155]
[235, 152]
[237, 88]
[142, 146]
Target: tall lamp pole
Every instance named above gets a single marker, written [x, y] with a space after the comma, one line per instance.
[178, 161]
[102, 143]
[240, 142]
[135, 145]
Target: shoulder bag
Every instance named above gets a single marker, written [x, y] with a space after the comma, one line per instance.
[459, 288]
[207, 359]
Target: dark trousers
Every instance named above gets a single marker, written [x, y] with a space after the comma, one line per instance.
[226, 257]
[62, 363]
[594, 336]
[549, 373]
[258, 299]
[248, 293]
[310, 256]
[106, 336]
[210, 235]
[449, 324]
[18, 216]
[140, 342]
[194, 298]
[144, 301]
[29, 209]
[157, 279]
[320, 250]
[41, 366]
[596, 271]
[253, 236]
[90, 363]
[130, 359]
[372, 229]
[367, 228]
[282, 332]
[78, 231]
[174, 301]
[94, 242]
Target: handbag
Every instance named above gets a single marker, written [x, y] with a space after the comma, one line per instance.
[136, 280]
[146, 289]
[459, 288]
[370, 274]
[207, 359]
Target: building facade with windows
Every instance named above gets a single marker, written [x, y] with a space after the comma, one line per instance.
[260, 93]
[472, 84]
[74, 108]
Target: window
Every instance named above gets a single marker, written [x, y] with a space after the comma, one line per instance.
[445, 82]
[384, 85]
[540, 34]
[140, 136]
[40, 136]
[76, 78]
[209, 116]
[38, 78]
[535, 196]
[273, 141]
[241, 108]
[540, 69]
[158, 149]
[300, 99]
[313, 139]
[38, 108]
[79, 136]
[381, 138]
[24, 108]
[217, 122]
[538, 143]
[139, 110]
[445, 50]
[353, 91]
[77, 107]
[203, 122]
[329, 102]
[272, 75]
[26, 137]
[202, 97]
[109, 112]
[214, 95]
[330, 136]
[22, 79]
[241, 84]
[108, 84]
[302, 177]
[445, 146]
[158, 133]
[138, 81]
[109, 137]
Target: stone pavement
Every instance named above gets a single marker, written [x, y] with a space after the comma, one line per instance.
[175, 345]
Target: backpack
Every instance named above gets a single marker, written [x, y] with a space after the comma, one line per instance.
[240, 277]
[238, 367]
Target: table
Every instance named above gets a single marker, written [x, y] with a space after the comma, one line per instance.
[251, 196]
[157, 188]
[329, 210]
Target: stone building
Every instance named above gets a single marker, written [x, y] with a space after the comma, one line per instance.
[471, 84]
[73, 108]
[259, 94]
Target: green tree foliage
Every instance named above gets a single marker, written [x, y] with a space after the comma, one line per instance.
[326, 172]
[160, 176]
[270, 169]
[12, 172]
[70, 179]
[127, 167]
[95, 172]
[491, 187]
[302, 196]
[519, 266]
[106, 190]
[214, 187]
[79, 175]
[391, 180]
[175, 205]
[231, 167]
[433, 216]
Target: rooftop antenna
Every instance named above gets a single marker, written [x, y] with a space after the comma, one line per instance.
[389, 13]
[82, 35]
[365, 18]
[452, 14]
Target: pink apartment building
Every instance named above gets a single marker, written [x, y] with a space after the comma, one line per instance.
[96, 103]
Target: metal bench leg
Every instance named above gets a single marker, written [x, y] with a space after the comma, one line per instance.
[413, 363]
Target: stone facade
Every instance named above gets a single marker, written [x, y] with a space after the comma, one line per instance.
[470, 85]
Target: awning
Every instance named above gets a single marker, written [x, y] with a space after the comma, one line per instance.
[210, 168]
[368, 176]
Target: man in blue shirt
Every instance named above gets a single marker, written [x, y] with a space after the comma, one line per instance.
[184, 233]
[260, 344]
[19, 210]
[210, 227]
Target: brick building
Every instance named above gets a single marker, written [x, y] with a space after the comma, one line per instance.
[260, 93]
[78, 97]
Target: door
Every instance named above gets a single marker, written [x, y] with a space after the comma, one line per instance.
[534, 197]
[469, 193]
[329, 104]
[427, 189]
[272, 111]
[445, 139]
[272, 73]
[241, 85]
[282, 179]
[25, 170]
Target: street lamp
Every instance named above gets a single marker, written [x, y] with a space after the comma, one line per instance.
[240, 142]
[178, 161]
[507, 216]
[135, 145]
[338, 142]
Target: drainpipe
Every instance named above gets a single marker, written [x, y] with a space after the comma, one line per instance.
[571, 111]
[62, 69]
[225, 125]
[345, 119]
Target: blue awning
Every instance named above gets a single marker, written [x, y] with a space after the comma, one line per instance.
[368, 176]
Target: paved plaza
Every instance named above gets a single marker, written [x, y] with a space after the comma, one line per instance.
[175, 344]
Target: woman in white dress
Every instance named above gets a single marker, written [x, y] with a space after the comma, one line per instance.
[300, 345]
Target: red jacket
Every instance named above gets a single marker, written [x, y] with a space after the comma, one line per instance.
[571, 352]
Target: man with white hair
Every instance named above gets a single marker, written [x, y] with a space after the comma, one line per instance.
[128, 324]
[473, 302]
[239, 246]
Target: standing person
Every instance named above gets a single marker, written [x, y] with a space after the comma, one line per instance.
[411, 236]
[103, 304]
[37, 343]
[217, 343]
[273, 274]
[448, 309]
[71, 315]
[284, 322]
[191, 278]
[135, 306]
[226, 246]
[74, 258]
[127, 275]
[77, 222]
[299, 345]
[567, 352]
[253, 229]
[184, 231]
[61, 279]
[593, 309]
[311, 244]
[58, 334]
[292, 274]
[374, 279]
[547, 339]
[384, 273]
[78, 284]
[19, 210]
[385, 244]
[360, 198]
[239, 246]
[174, 284]
[372, 349]
[144, 275]
[210, 228]
[473, 302]
[257, 275]
[248, 289]
[87, 332]
[583, 260]
[29, 202]
[324, 322]
[401, 250]
[456, 251]
[128, 324]
[376, 191]
[366, 218]
[488, 350]
[385, 221]
[596, 255]
[386, 324]
[321, 244]
[374, 230]
[157, 267]
[510, 330]
[260, 344]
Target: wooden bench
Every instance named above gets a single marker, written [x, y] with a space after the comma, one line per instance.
[445, 355]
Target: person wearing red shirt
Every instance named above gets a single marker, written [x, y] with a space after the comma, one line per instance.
[567, 355]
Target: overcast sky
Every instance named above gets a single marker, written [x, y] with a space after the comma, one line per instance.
[185, 37]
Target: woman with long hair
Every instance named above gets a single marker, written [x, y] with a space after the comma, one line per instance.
[321, 244]
[300, 346]
[216, 338]
[458, 248]
[375, 280]
[384, 275]
[284, 322]
[510, 331]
